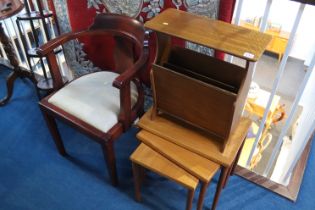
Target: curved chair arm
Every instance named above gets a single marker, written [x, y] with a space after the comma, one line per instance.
[122, 82]
[130, 73]
[47, 50]
[56, 42]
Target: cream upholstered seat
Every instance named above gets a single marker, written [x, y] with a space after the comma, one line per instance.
[93, 99]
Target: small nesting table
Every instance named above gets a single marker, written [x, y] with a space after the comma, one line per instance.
[175, 163]
[191, 149]
[147, 158]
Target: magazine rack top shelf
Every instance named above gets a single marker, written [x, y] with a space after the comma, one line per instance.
[231, 39]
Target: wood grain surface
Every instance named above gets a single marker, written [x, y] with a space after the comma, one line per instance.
[148, 158]
[198, 166]
[194, 139]
[232, 39]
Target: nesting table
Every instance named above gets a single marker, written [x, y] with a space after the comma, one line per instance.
[192, 149]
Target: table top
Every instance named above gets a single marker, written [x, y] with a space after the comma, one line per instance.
[235, 40]
[10, 8]
[148, 158]
[194, 139]
[200, 167]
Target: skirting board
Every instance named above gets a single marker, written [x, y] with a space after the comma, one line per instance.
[292, 190]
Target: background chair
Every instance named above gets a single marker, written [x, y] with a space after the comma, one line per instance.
[102, 104]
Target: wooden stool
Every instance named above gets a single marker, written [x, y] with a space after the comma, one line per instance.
[147, 158]
[196, 165]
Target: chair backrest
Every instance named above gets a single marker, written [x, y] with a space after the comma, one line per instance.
[128, 34]
[124, 28]
[123, 24]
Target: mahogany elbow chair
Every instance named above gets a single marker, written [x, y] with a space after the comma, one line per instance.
[102, 104]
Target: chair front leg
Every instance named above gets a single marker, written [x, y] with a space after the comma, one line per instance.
[109, 156]
[52, 126]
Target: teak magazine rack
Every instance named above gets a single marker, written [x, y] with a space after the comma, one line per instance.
[202, 90]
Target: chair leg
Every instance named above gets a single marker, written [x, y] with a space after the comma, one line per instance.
[109, 156]
[202, 194]
[190, 198]
[137, 180]
[52, 126]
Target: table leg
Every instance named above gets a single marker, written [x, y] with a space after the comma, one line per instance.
[223, 175]
[202, 193]
[228, 175]
[237, 157]
[232, 168]
[142, 174]
[190, 198]
[10, 81]
[17, 70]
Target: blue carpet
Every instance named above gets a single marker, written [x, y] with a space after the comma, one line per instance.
[34, 176]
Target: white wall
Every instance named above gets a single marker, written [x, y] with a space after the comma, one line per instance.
[283, 12]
